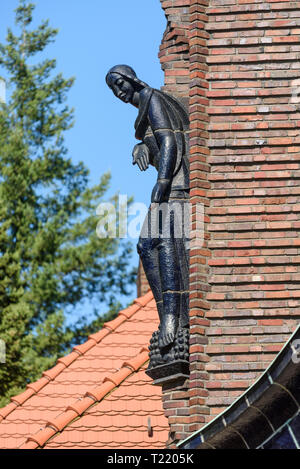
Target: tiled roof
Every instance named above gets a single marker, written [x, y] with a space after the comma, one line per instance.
[98, 396]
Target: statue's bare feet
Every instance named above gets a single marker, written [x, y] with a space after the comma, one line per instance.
[168, 329]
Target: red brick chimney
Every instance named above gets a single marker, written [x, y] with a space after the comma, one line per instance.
[142, 284]
[234, 62]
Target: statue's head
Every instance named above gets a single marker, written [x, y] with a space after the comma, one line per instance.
[124, 83]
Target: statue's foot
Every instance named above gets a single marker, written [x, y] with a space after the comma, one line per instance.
[168, 329]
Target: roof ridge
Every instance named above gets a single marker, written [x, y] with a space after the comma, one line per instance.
[77, 351]
[91, 397]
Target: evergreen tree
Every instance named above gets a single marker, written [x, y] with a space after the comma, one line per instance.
[50, 256]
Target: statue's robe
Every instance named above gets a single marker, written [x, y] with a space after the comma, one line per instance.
[168, 114]
[165, 260]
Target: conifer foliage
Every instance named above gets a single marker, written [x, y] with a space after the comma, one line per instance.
[51, 259]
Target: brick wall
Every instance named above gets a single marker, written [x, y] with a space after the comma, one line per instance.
[174, 49]
[233, 62]
[142, 284]
[174, 56]
[199, 186]
[183, 57]
[254, 197]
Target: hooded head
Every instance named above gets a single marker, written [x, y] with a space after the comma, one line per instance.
[124, 83]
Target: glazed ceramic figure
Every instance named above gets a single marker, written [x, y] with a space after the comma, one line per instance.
[162, 126]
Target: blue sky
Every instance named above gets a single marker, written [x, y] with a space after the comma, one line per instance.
[93, 36]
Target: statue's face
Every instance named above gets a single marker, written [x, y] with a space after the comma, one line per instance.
[122, 88]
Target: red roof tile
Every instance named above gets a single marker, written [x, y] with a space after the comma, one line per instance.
[98, 396]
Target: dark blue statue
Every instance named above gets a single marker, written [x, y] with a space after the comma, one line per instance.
[162, 126]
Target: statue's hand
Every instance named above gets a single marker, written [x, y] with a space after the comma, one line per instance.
[159, 190]
[140, 156]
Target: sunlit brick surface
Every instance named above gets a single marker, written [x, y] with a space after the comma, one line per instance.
[254, 196]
